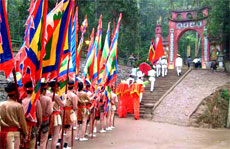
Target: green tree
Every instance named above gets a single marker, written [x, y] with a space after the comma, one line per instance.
[219, 23]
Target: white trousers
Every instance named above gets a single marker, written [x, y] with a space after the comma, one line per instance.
[141, 95]
[178, 69]
[152, 80]
[158, 71]
[164, 70]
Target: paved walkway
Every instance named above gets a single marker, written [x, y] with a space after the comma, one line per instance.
[143, 134]
[178, 105]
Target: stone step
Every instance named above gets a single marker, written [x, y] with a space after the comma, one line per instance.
[162, 85]
[142, 112]
[152, 97]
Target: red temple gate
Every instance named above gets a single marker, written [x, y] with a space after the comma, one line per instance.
[180, 22]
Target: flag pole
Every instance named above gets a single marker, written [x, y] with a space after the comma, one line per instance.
[63, 119]
[59, 63]
[67, 80]
[73, 15]
[93, 118]
[14, 72]
[16, 85]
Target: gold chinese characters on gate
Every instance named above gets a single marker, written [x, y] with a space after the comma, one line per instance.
[189, 24]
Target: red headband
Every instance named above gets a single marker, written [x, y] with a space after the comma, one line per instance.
[11, 93]
[45, 86]
[72, 85]
[29, 89]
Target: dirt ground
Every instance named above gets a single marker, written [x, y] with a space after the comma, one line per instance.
[143, 134]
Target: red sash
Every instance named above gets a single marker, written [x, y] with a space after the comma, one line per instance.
[3, 135]
[45, 118]
[56, 113]
[82, 106]
[7, 129]
[68, 108]
[31, 123]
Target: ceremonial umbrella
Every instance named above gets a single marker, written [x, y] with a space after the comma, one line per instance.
[144, 67]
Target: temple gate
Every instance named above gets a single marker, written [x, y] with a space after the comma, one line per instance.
[179, 23]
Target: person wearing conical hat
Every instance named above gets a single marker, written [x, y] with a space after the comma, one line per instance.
[11, 119]
[33, 125]
[47, 110]
[179, 64]
[164, 66]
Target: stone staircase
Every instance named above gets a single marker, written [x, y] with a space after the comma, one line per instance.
[162, 85]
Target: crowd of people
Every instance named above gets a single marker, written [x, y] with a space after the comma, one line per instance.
[162, 67]
[55, 117]
[130, 94]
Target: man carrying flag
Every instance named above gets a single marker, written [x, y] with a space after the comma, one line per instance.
[34, 46]
[33, 124]
[47, 110]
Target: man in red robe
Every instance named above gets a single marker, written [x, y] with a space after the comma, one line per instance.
[122, 90]
[135, 90]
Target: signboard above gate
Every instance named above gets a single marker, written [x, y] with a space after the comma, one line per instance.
[189, 25]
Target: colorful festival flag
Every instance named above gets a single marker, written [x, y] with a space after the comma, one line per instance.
[159, 52]
[105, 54]
[78, 52]
[6, 54]
[66, 62]
[88, 69]
[74, 40]
[64, 68]
[152, 52]
[34, 46]
[96, 52]
[56, 32]
[111, 64]
[107, 94]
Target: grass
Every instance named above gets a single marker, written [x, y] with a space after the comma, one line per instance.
[216, 112]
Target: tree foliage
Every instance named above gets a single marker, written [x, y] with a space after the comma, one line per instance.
[138, 21]
[219, 22]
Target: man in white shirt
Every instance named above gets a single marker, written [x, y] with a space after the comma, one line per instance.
[158, 67]
[197, 62]
[139, 80]
[152, 74]
[164, 66]
[179, 64]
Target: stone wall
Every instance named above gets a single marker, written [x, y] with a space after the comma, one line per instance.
[227, 66]
[2, 85]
